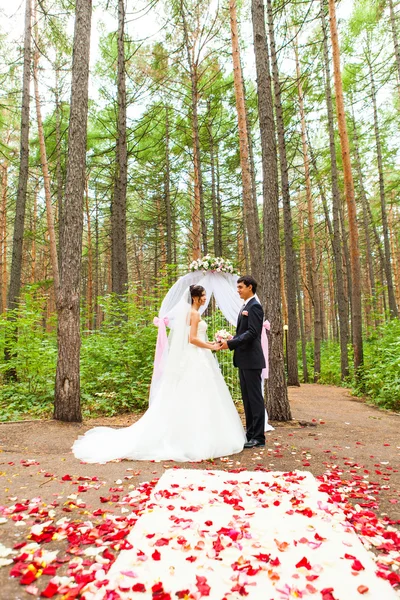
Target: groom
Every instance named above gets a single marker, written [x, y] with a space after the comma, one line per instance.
[249, 358]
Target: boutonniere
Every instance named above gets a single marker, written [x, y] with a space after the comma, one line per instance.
[245, 313]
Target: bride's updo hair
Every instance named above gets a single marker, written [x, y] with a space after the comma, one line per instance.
[196, 291]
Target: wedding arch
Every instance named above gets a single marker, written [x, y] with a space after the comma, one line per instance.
[219, 281]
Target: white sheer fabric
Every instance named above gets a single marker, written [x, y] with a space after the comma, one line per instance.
[221, 285]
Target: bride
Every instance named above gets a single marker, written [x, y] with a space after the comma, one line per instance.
[191, 415]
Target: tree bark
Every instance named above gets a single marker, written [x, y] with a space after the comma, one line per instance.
[119, 264]
[395, 40]
[393, 249]
[364, 204]
[67, 388]
[167, 189]
[59, 169]
[335, 238]
[20, 209]
[19, 222]
[290, 257]
[253, 232]
[198, 209]
[314, 275]
[97, 308]
[89, 287]
[348, 285]
[302, 329]
[219, 203]
[385, 228]
[3, 237]
[350, 198]
[34, 233]
[196, 221]
[278, 407]
[253, 179]
[216, 237]
[304, 273]
[44, 161]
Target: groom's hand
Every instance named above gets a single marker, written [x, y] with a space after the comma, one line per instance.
[224, 346]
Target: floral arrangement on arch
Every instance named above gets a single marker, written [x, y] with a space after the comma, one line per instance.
[212, 263]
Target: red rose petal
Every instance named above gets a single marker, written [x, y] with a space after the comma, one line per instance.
[156, 555]
[50, 591]
[362, 589]
[303, 563]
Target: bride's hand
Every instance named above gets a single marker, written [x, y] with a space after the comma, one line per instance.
[215, 346]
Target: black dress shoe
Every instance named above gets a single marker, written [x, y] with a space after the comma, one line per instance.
[254, 444]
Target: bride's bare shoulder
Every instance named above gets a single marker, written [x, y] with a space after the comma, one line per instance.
[194, 316]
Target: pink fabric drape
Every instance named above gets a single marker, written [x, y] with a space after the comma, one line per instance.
[264, 345]
[162, 342]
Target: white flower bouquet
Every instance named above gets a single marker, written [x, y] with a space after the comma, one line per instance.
[222, 335]
[212, 263]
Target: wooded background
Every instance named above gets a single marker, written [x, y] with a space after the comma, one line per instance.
[263, 132]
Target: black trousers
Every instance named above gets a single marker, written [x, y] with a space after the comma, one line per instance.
[253, 402]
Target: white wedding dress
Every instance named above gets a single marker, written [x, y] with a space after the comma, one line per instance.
[192, 417]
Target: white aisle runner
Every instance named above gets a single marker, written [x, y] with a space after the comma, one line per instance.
[255, 535]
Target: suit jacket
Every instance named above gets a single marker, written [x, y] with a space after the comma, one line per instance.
[246, 344]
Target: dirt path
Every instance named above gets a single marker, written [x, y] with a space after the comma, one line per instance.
[363, 442]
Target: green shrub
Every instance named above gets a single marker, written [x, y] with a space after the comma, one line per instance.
[116, 360]
[381, 371]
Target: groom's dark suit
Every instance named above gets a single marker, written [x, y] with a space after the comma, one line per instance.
[249, 358]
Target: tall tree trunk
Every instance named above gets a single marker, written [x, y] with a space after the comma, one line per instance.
[59, 170]
[97, 308]
[219, 204]
[253, 231]
[216, 237]
[253, 177]
[161, 234]
[290, 257]
[199, 208]
[67, 388]
[350, 198]
[119, 264]
[314, 279]
[196, 221]
[19, 221]
[335, 238]
[393, 227]
[34, 233]
[3, 237]
[321, 263]
[364, 203]
[332, 299]
[302, 329]
[395, 39]
[43, 160]
[277, 399]
[167, 189]
[304, 274]
[385, 228]
[283, 293]
[89, 287]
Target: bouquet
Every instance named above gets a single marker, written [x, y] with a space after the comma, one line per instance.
[210, 263]
[222, 335]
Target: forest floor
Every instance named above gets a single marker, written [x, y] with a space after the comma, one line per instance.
[331, 430]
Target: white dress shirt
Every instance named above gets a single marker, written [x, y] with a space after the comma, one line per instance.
[246, 301]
